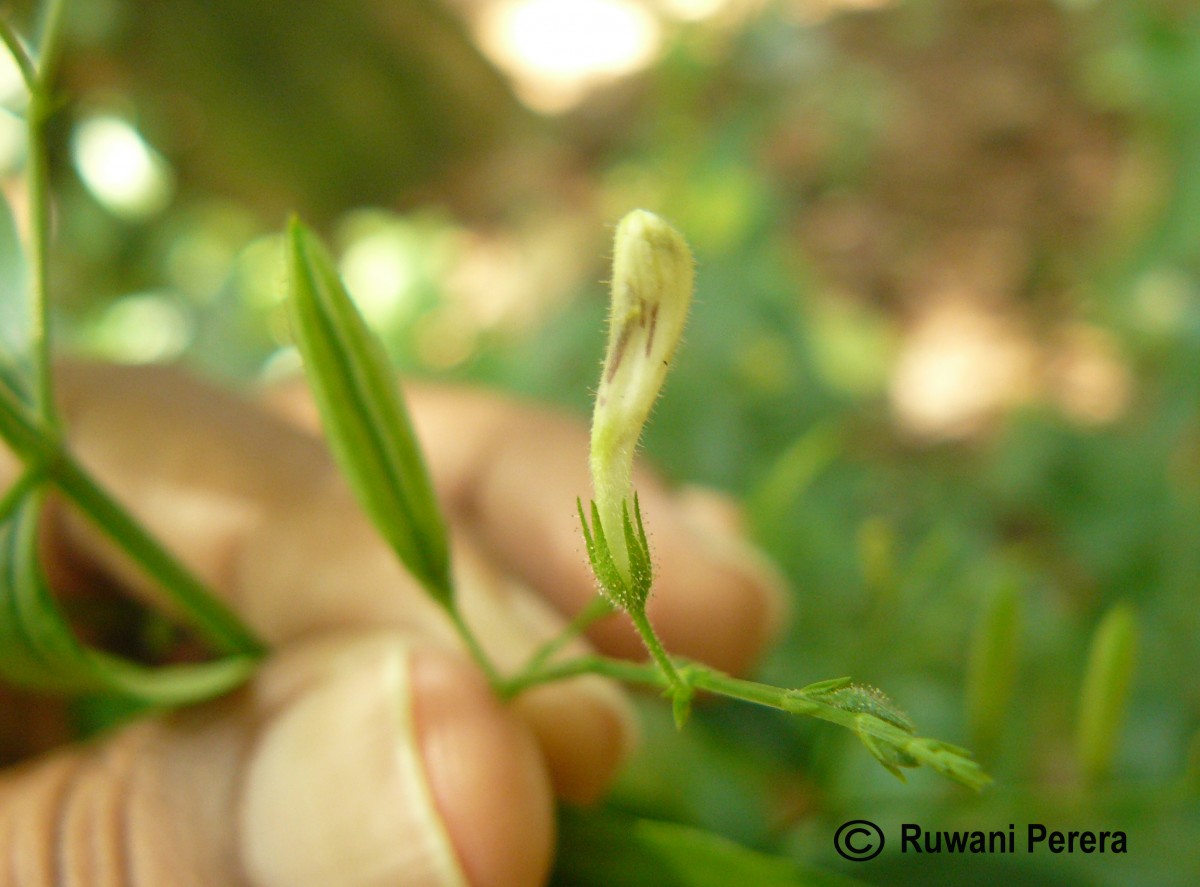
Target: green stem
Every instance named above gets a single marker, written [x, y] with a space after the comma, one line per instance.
[39, 223]
[29, 479]
[50, 41]
[210, 616]
[40, 108]
[474, 647]
[654, 645]
[701, 677]
[20, 56]
[597, 609]
[38, 446]
[892, 745]
[791, 701]
[636, 673]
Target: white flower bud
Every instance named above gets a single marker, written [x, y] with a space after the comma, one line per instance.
[651, 293]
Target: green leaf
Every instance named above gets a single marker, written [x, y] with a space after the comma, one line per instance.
[992, 668]
[892, 757]
[598, 848]
[886, 732]
[1105, 692]
[364, 416]
[38, 648]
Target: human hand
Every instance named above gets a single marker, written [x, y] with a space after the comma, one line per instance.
[368, 749]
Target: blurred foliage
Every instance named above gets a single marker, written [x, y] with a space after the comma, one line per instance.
[841, 176]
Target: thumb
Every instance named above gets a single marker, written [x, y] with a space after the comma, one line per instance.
[349, 761]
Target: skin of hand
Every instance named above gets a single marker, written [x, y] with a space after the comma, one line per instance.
[368, 749]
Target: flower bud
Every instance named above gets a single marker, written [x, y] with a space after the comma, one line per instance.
[651, 292]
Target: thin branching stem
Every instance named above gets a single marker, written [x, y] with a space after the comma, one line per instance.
[30, 478]
[642, 623]
[474, 647]
[38, 446]
[40, 109]
[51, 37]
[634, 673]
[597, 609]
[35, 435]
[647, 674]
[813, 701]
[19, 54]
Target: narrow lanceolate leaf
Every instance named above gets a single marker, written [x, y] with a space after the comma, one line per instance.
[363, 414]
[1105, 693]
[992, 672]
[599, 847]
[38, 648]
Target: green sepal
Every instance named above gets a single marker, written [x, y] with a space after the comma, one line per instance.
[629, 595]
[820, 688]
[886, 731]
[892, 757]
[604, 568]
[951, 761]
[641, 570]
[588, 541]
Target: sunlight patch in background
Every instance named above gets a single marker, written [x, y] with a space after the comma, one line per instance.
[556, 50]
[963, 365]
[122, 171]
[393, 264]
[141, 328]
[697, 10]
[815, 11]
[380, 274]
[960, 367]
[199, 261]
[1087, 376]
[12, 128]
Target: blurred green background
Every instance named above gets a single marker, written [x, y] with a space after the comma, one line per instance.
[946, 344]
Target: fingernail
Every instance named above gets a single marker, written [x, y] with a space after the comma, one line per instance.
[337, 791]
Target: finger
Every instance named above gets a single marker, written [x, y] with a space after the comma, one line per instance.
[584, 726]
[513, 472]
[355, 761]
[258, 510]
[311, 569]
